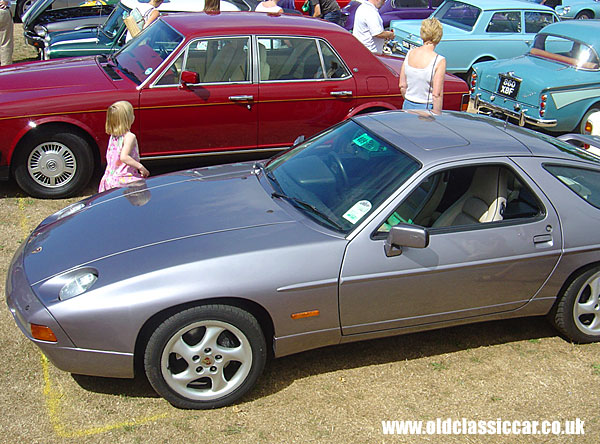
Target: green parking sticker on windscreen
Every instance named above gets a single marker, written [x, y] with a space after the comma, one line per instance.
[368, 143]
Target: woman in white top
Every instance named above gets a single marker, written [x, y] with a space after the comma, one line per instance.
[423, 70]
[269, 6]
[152, 13]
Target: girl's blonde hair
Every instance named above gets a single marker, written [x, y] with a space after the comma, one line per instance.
[119, 118]
[431, 30]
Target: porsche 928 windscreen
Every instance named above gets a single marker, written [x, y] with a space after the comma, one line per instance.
[341, 176]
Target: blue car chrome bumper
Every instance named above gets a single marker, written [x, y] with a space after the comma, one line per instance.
[482, 107]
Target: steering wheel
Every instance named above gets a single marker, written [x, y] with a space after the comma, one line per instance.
[337, 167]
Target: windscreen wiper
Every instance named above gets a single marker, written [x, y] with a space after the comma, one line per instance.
[310, 207]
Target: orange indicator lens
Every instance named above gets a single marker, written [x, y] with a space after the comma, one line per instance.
[43, 333]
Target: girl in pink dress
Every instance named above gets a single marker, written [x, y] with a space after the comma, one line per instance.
[122, 156]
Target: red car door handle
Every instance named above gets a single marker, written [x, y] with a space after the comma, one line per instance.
[241, 98]
[341, 93]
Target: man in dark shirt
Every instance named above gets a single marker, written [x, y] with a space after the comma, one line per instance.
[328, 10]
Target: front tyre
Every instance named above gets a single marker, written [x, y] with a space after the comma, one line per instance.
[577, 314]
[54, 165]
[205, 357]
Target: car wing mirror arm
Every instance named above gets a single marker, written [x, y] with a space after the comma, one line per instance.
[405, 235]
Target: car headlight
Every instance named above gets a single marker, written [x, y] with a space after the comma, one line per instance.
[76, 283]
[40, 30]
[563, 10]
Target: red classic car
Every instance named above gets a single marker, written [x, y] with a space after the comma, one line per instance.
[200, 84]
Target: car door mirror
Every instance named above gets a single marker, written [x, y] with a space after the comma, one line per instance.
[190, 77]
[405, 235]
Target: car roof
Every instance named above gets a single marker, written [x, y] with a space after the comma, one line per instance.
[584, 30]
[245, 23]
[488, 5]
[457, 135]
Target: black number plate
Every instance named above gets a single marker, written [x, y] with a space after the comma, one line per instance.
[508, 87]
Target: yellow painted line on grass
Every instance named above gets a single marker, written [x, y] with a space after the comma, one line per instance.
[54, 400]
[22, 218]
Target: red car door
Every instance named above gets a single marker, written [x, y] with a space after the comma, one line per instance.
[215, 112]
[304, 88]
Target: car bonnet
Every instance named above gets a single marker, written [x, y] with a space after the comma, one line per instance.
[163, 209]
[36, 9]
[29, 85]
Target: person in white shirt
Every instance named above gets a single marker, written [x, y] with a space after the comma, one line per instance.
[269, 6]
[422, 73]
[368, 26]
[6, 34]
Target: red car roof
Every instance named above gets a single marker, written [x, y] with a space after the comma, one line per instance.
[200, 23]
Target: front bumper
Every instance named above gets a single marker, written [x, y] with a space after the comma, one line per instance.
[482, 107]
[27, 309]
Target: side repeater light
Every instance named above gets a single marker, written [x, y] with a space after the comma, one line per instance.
[43, 333]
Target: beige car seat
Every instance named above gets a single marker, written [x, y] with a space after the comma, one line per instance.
[229, 64]
[484, 201]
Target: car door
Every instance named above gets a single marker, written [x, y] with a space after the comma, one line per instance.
[304, 88]
[469, 268]
[215, 112]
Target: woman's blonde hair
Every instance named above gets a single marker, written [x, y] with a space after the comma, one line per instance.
[431, 30]
[119, 118]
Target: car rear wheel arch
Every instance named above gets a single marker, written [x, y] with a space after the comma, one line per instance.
[469, 72]
[557, 316]
[85, 143]
[592, 109]
[585, 15]
[369, 108]
[256, 310]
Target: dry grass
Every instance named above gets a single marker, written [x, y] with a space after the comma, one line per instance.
[514, 370]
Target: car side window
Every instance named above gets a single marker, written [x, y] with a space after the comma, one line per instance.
[466, 196]
[508, 21]
[291, 58]
[401, 4]
[535, 21]
[335, 68]
[583, 182]
[219, 60]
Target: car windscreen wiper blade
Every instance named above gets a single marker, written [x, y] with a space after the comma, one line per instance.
[129, 73]
[309, 207]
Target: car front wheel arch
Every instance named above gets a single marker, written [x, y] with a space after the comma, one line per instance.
[54, 160]
[205, 357]
[257, 311]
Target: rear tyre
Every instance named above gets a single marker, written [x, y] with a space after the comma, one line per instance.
[584, 15]
[581, 127]
[53, 165]
[205, 357]
[577, 313]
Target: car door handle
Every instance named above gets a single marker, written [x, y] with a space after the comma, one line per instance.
[542, 238]
[241, 98]
[341, 93]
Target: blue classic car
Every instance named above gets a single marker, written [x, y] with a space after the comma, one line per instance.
[579, 9]
[555, 86]
[478, 30]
